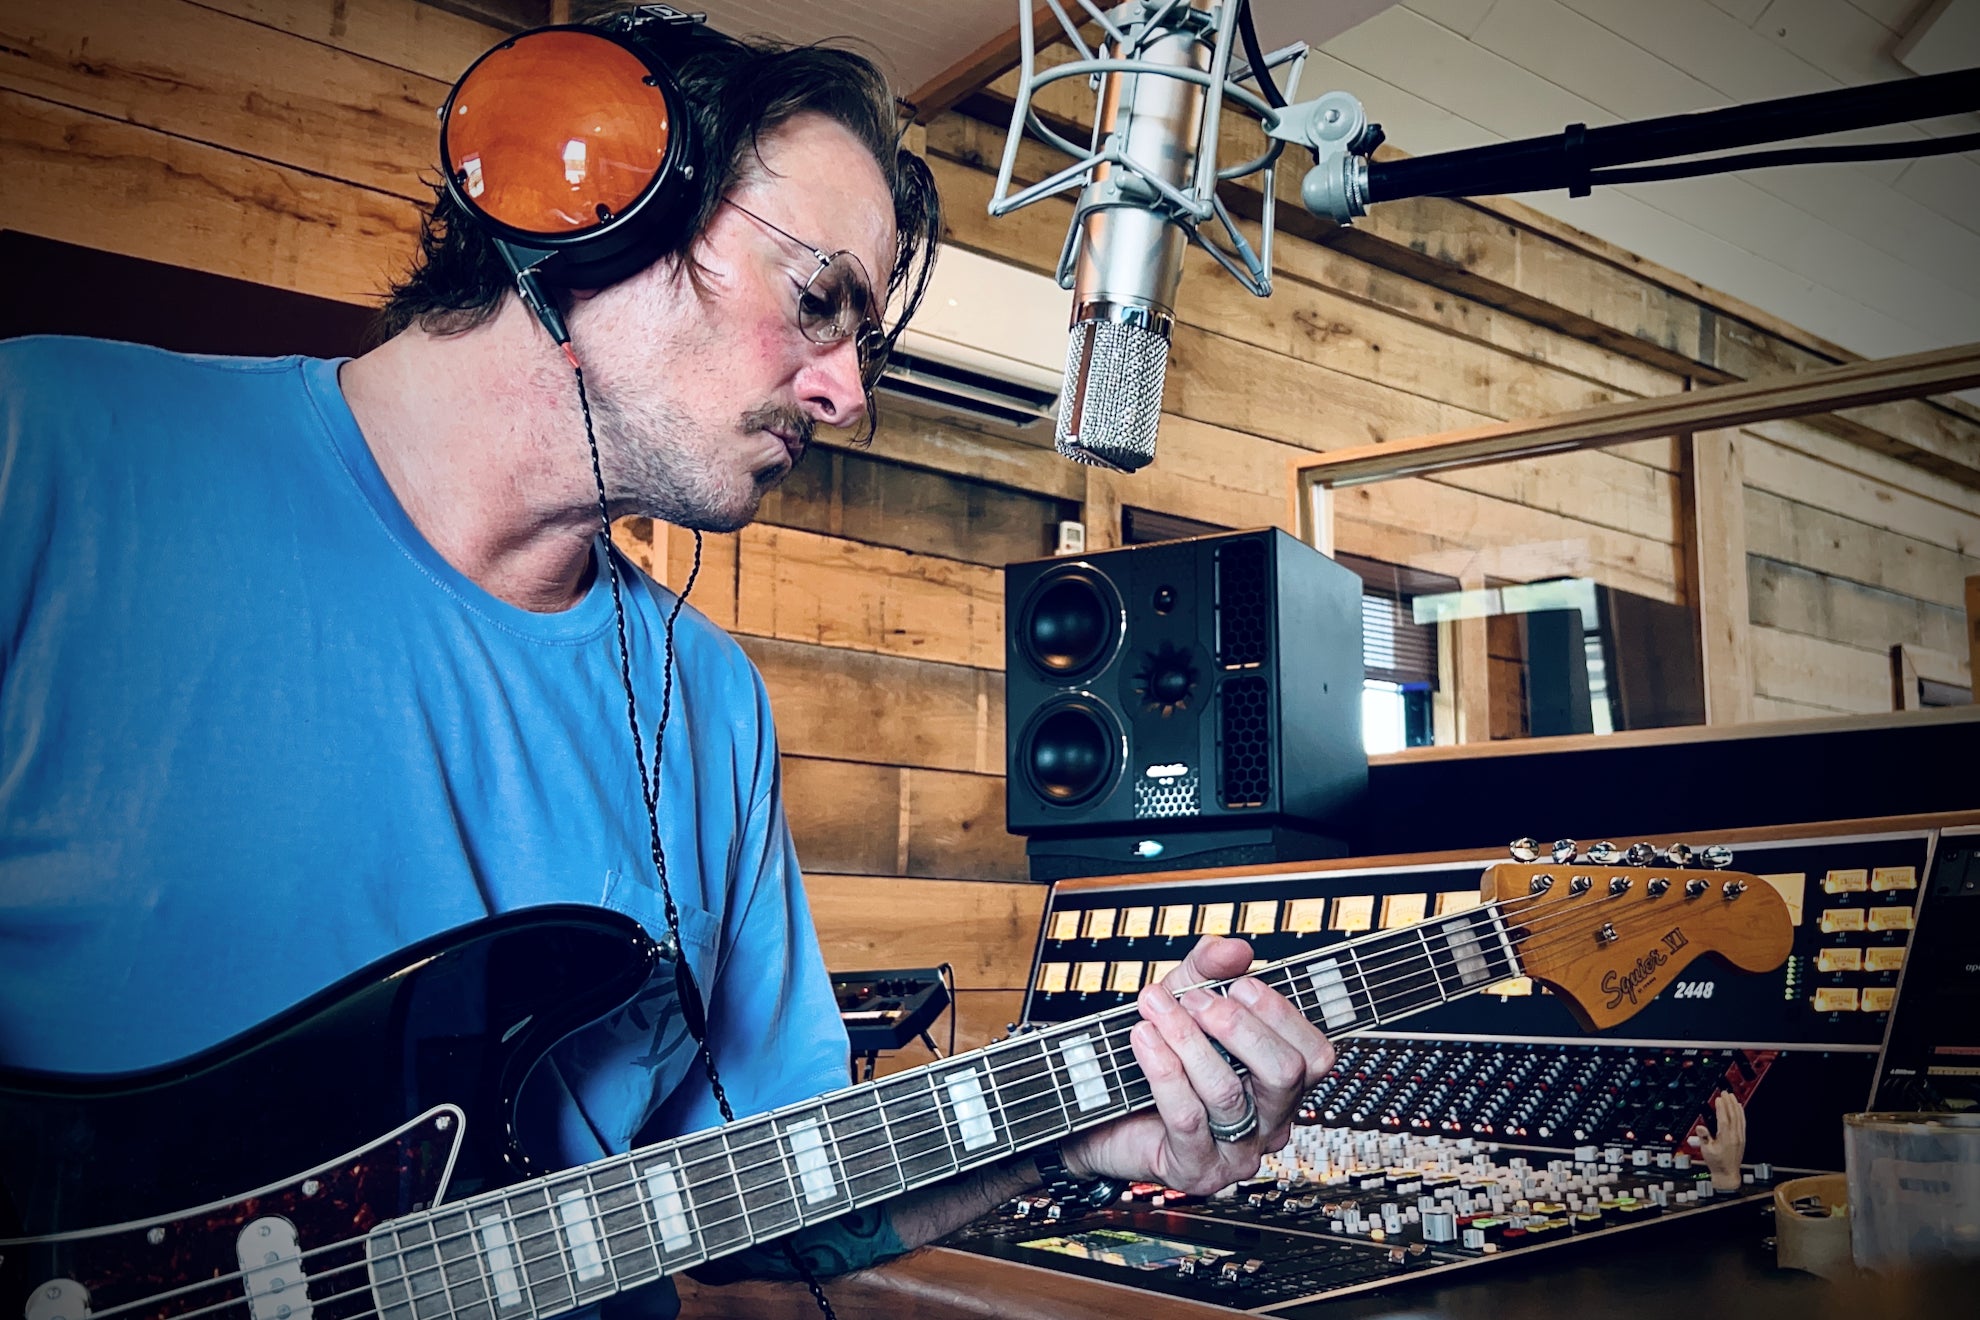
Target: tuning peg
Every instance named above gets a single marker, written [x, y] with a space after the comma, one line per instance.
[1717, 856]
[1524, 850]
[1605, 854]
[1678, 854]
[1640, 854]
[1564, 851]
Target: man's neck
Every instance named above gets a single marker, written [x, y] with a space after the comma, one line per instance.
[485, 455]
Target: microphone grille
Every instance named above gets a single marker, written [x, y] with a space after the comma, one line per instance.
[1112, 400]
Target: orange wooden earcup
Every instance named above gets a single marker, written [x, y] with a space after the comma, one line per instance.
[555, 133]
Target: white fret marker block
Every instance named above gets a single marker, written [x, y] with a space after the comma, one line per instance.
[971, 1110]
[1331, 994]
[1089, 1082]
[501, 1260]
[1470, 957]
[814, 1169]
[581, 1232]
[663, 1190]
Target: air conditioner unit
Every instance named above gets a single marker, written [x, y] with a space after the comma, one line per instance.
[989, 341]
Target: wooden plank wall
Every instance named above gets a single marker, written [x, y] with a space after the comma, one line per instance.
[283, 141]
[1848, 555]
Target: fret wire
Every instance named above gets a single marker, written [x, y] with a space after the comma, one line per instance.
[1105, 1023]
[597, 1213]
[1366, 993]
[997, 1110]
[935, 1100]
[1058, 1093]
[781, 1144]
[893, 1147]
[648, 1217]
[832, 1152]
[440, 1268]
[1423, 937]
[1113, 1043]
[1485, 919]
[482, 1266]
[512, 1226]
[1114, 1059]
[742, 1201]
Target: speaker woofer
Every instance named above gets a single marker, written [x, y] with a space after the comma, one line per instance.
[1070, 623]
[1070, 751]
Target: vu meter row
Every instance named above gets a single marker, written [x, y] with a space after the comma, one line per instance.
[1186, 922]
[1851, 939]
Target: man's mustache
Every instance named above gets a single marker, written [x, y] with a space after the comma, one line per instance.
[794, 422]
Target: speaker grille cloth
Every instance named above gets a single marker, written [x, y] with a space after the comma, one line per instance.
[1111, 403]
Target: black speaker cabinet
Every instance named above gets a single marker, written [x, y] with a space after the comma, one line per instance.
[1183, 686]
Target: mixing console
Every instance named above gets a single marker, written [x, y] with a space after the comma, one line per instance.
[1341, 1210]
[1541, 1092]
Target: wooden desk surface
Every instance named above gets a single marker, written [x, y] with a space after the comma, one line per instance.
[1713, 1266]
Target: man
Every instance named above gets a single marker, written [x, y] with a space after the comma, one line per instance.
[306, 661]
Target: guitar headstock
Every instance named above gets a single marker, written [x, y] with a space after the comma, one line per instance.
[1607, 938]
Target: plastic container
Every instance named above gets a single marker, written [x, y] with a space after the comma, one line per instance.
[1914, 1188]
[1818, 1244]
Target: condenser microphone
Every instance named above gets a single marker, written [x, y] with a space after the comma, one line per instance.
[1128, 257]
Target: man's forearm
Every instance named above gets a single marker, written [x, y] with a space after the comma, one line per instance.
[922, 1216]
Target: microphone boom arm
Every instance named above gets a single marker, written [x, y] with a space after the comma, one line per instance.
[1344, 181]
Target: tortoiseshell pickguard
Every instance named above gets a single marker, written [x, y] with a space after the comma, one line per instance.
[190, 1263]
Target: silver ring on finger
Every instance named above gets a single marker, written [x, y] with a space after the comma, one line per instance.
[1241, 1129]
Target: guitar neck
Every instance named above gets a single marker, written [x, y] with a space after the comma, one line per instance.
[544, 1246]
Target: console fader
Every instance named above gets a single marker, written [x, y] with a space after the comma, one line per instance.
[1340, 1210]
[1498, 1126]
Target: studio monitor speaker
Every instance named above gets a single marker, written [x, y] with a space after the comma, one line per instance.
[1193, 685]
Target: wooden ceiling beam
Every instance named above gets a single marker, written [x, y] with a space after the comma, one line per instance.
[982, 66]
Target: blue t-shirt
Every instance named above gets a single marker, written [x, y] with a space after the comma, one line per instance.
[256, 733]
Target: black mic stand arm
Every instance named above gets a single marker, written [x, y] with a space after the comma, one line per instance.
[1344, 181]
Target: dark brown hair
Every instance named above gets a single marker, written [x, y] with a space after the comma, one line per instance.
[738, 91]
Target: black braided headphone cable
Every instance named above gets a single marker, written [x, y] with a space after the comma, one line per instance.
[649, 783]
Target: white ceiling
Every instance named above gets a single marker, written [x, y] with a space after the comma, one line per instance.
[1881, 258]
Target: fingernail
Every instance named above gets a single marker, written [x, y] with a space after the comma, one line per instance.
[1157, 1000]
[1197, 1000]
[1247, 991]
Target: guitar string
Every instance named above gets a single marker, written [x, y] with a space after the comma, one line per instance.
[852, 1179]
[654, 1251]
[945, 1140]
[727, 1155]
[903, 1155]
[1420, 958]
[685, 1164]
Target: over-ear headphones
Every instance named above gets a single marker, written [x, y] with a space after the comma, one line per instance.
[575, 150]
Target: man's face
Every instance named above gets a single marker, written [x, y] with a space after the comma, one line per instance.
[705, 398]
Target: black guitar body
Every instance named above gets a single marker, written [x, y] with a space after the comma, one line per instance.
[377, 1097]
